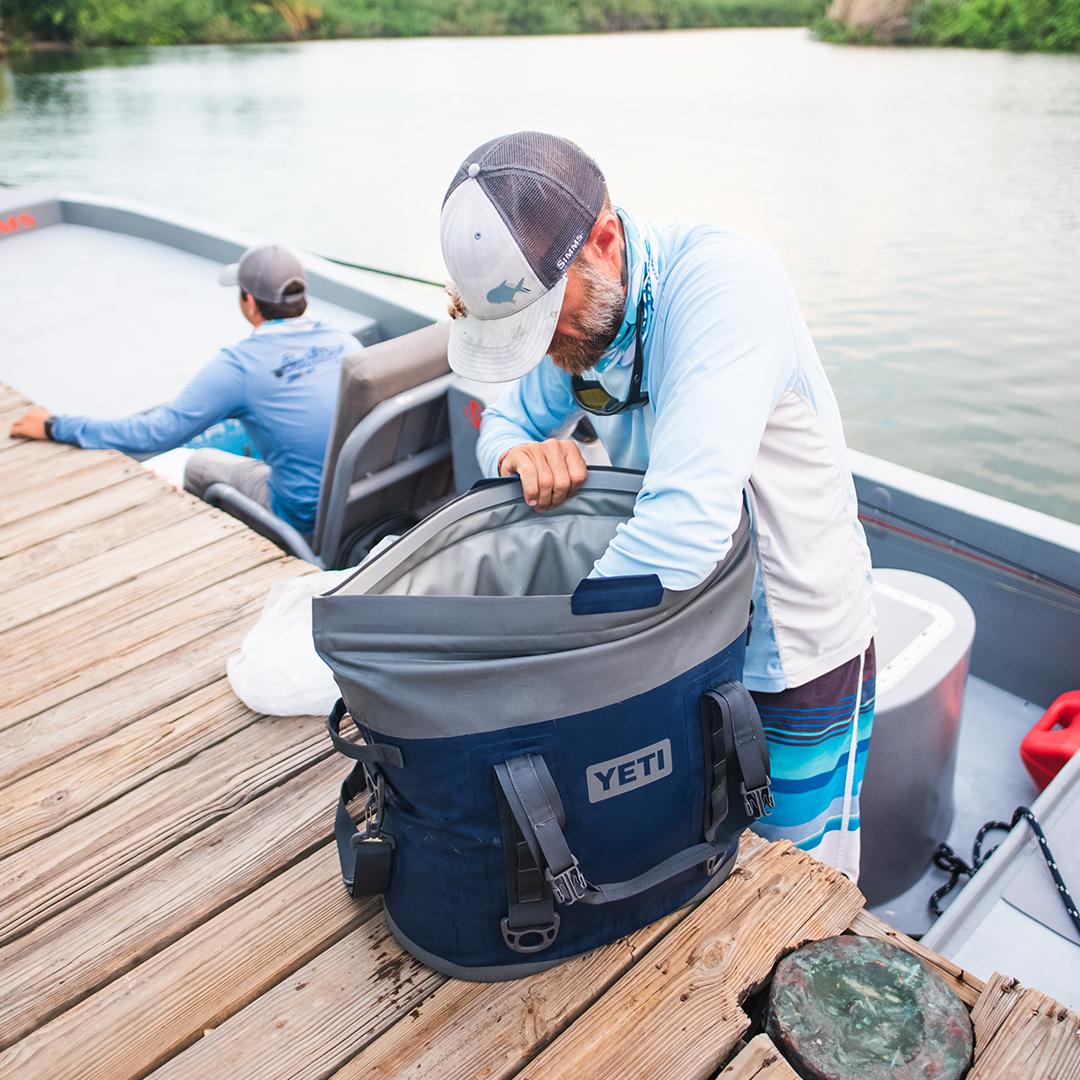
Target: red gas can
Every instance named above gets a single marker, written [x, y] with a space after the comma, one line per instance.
[1053, 740]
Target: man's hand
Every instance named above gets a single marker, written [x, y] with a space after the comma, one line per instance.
[550, 471]
[31, 425]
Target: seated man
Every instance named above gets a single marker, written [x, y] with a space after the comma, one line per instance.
[281, 381]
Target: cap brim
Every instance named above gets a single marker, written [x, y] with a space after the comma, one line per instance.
[500, 350]
[230, 275]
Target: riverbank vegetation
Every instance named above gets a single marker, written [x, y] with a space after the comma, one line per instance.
[1044, 25]
[1021, 25]
[174, 22]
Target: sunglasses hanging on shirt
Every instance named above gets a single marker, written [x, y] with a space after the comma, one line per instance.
[594, 397]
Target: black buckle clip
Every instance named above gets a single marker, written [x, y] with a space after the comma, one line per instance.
[372, 856]
[372, 820]
[567, 886]
[530, 939]
[758, 802]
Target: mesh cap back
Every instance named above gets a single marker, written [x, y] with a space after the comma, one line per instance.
[547, 191]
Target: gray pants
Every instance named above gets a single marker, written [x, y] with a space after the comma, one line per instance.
[247, 475]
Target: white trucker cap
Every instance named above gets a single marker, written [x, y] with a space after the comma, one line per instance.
[513, 219]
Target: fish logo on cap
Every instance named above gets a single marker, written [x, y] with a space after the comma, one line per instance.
[506, 293]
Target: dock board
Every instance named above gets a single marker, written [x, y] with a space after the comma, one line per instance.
[170, 903]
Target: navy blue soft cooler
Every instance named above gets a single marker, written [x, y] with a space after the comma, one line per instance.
[549, 763]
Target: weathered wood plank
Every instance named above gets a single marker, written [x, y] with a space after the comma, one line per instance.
[12, 406]
[678, 1015]
[74, 546]
[54, 797]
[85, 855]
[12, 399]
[467, 1030]
[47, 524]
[146, 637]
[187, 532]
[24, 457]
[964, 984]
[41, 740]
[158, 1008]
[1023, 1034]
[89, 619]
[313, 1020]
[760, 1060]
[43, 496]
[89, 943]
[35, 464]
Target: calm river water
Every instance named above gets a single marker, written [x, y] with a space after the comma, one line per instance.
[926, 202]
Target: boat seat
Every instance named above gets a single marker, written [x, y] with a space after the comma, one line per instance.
[388, 453]
[923, 647]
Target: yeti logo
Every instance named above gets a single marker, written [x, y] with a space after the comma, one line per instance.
[619, 775]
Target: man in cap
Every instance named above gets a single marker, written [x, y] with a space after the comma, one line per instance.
[281, 381]
[686, 347]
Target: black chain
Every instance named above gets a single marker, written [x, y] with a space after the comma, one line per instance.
[946, 859]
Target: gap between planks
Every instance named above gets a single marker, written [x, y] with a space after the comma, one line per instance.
[759, 1060]
[56, 796]
[158, 1008]
[679, 1015]
[31, 600]
[41, 879]
[57, 678]
[1023, 1033]
[88, 943]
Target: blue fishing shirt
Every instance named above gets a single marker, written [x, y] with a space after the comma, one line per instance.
[281, 381]
[738, 402]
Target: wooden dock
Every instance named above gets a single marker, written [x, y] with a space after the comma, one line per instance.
[169, 894]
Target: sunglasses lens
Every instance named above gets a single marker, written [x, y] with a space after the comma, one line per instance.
[592, 397]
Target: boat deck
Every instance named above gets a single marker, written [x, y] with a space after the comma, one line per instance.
[61, 295]
[169, 893]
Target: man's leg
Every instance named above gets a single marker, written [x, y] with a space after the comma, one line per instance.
[247, 475]
[817, 755]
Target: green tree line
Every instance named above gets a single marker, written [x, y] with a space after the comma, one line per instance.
[170, 22]
[1021, 25]
[1049, 25]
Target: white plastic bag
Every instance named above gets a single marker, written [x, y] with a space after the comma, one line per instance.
[277, 671]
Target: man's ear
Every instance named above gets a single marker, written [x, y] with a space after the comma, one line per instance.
[605, 240]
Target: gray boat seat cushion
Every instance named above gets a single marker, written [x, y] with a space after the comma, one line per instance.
[373, 375]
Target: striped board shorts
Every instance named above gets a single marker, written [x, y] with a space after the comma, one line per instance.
[817, 757]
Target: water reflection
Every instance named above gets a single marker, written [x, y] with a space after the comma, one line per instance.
[925, 202]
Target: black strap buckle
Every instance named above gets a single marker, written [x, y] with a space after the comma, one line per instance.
[530, 939]
[758, 801]
[567, 886]
[371, 864]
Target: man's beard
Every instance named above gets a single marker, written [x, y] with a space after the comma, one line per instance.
[597, 321]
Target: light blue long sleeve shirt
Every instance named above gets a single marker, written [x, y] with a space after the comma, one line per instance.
[281, 381]
[738, 401]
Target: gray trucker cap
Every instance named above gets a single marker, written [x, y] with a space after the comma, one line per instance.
[515, 216]
[272, 274]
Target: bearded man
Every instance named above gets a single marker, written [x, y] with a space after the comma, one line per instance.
[686, 346]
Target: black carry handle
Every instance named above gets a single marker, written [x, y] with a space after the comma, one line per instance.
[535, 806]
[365, 856]
[533, 802]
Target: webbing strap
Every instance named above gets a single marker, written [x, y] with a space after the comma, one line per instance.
[531, 923]
[731, 707]
[365, 855]
[534, 803]
[369, 753]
